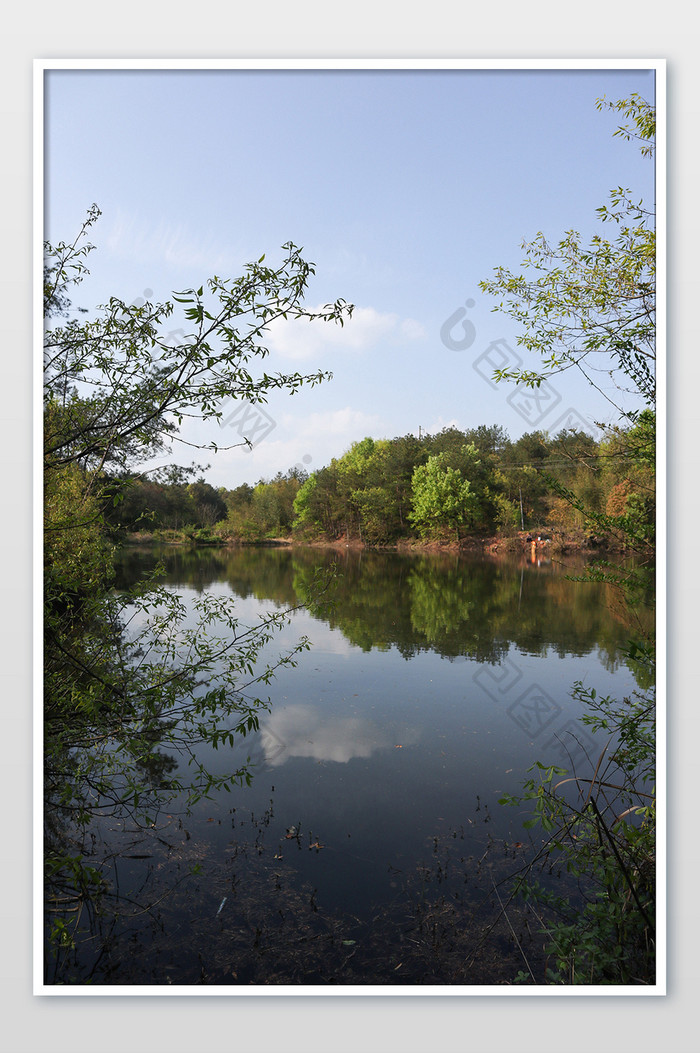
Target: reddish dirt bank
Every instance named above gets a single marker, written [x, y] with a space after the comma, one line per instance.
[536, 542]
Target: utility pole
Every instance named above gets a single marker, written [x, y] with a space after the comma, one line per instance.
[522, 521]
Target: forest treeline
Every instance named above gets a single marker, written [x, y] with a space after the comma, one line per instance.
[435, 487]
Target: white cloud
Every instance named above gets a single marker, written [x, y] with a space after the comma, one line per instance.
[301, 339]
[173, 244]
[412, 330]
[346, 421]
[313, 440]
[441, 423]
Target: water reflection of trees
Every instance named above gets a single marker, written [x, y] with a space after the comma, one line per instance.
[453, 605]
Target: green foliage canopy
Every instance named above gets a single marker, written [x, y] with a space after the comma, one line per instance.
[442, 497]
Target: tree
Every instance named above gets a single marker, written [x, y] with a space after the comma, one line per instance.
[131, 681]
[209, 505]
[403, 454]
[442, 498]
[592, 307]
[119, 390]
[365, 490]
[317, 507]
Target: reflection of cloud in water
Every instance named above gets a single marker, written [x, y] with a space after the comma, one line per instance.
[325, 638]
[304, 731]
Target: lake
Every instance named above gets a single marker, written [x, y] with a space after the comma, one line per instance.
[369, 847]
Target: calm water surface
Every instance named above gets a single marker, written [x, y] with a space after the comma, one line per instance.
[370, 846]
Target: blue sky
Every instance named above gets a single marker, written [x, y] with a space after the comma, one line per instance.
[405, 187]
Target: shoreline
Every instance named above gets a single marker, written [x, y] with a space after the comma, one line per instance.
[523, 542]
